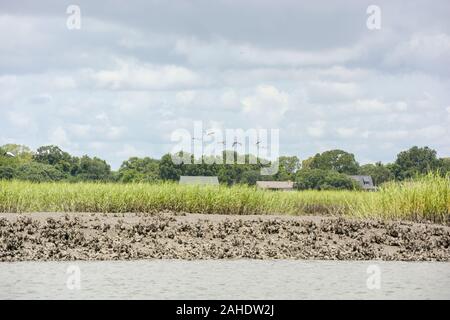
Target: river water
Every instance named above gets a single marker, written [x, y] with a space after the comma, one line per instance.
[224, 279]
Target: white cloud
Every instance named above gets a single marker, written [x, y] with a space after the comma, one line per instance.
[126, 84]
[19, 119]
[26, 33]
[230, 99]
[185, 97]
[103, 117]
[422, 50]
[371, 106]
[80, 130]
[130, 75]
[391, 134]
[332, 91]
[63, 82]
[114, 132]
[266, 105]
[41, 98]
[222, 52]
[58, 136]
[128, 151]
[343, 73]
[317, 129]
[375, 106]
[346, 132]
[432, 132]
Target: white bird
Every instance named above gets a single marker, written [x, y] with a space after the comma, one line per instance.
[10, 154]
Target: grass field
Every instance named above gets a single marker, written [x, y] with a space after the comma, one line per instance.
[425, 198]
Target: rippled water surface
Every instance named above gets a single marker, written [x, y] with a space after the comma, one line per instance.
[219, 279]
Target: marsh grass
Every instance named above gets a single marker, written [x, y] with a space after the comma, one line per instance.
[425, 198]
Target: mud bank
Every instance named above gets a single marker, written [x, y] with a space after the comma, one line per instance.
[87, 236]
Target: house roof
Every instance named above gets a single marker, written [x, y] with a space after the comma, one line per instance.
[275, 184]
[199, 180]
[366, 182]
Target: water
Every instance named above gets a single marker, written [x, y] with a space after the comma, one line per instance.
[219, 279]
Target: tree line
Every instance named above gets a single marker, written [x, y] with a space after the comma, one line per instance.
[327, 170]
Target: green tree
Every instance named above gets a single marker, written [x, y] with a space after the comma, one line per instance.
[6, 172]
[168, 170]
[337, 160]
[379, 172]
[139, 170]
[415, 161]
[250, 177]
[310, 178]
[21, 152]
[94, 169]
[444, 166]
[199, 167]
[6, 161]
[226, 176]
[338, 181]
[287, 167]
[39, 172]
[319, 179]
[306, 164]
[54, 156]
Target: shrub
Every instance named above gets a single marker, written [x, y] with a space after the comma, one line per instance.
[318, 179]
[39, 172]
[6, 173]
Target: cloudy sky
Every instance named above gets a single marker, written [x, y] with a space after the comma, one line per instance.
[138, 70]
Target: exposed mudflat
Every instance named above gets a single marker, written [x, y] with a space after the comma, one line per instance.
[97, 236]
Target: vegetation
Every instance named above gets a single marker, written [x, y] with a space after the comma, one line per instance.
[335, 160]
[426, 197]
[379, 172]
[319, 179]
[324, 171]
[423, 198]
[416, 161]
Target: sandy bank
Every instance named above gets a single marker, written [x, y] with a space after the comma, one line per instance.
[88, 236]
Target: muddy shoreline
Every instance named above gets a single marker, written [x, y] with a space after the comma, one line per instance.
[130, 236]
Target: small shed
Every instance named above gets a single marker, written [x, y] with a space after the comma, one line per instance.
[199, 180]
[275, 185]
[365, 182]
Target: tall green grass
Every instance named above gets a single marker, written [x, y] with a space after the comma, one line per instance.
[426, 198]
[423, 198]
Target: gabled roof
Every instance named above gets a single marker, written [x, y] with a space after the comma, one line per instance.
[199, 180]
[365, 182]
[275, 184]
